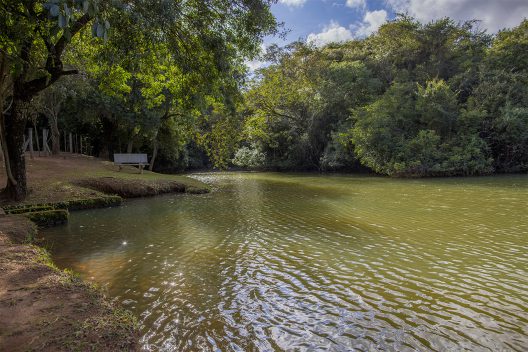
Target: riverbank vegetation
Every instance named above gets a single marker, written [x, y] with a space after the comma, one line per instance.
[79, 182]
[413, 99]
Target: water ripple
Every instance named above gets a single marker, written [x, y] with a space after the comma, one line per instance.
[273, 262]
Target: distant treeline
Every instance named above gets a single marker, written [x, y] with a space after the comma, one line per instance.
[413, 99]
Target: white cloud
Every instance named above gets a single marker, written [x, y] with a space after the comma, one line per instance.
[333, 33]
[371, 22]
[254, 65]
[257, 63]
[356, 4]
[494, 14]
[293, 3]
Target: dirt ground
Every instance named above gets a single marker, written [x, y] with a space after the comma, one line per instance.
[74, 176]
[45, 309]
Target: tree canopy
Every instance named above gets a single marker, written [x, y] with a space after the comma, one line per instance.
[138, 56]
[412, 99]
[169, 78]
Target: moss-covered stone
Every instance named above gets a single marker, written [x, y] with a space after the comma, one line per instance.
[48, 217]
[73, 204]
[90, 203]
[28, 209]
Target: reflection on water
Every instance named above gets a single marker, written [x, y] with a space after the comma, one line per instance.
[294, 262]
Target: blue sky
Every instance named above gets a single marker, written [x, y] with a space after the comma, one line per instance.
[336, 20]
[311, 17]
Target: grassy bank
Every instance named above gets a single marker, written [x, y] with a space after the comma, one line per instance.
[44, 308]
[75, 178]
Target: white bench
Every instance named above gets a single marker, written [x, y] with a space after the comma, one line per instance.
[131, 159]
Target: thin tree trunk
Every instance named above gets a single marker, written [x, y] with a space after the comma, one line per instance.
[130, 145]
[5, 151]
[154, 153]
[15, 125]
[37, 139]
[55, 136]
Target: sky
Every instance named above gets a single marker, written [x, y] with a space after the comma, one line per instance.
[324, 21]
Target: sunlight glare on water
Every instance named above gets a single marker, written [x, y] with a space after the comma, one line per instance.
[272, 262]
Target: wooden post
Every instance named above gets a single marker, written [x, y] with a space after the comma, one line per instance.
[45, 147]
[71, 143]
[36, 138]
[30, 133]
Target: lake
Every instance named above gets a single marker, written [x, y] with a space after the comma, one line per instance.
[307, 262]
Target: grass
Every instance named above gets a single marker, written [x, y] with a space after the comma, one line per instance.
[76, 177]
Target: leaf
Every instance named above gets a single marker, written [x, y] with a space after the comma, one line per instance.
[54, 10]
[100, 30]
[62, 21]
[67, 34]
[91, 10]
[54, 31]
[86, 5]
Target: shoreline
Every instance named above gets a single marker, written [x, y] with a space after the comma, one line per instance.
[43, 307]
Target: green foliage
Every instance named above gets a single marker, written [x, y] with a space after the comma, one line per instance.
[250, 158]
[163, 70]
[416, 132]
[412, 99]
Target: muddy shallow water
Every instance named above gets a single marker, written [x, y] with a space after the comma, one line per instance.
[305, 262]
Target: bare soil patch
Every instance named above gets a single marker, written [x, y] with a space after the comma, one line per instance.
[45, 309]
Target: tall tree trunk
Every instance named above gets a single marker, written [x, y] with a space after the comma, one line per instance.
[15, 125]
[154, 153]
[55, 135]
[36, 136]
[130, 145]
[5, 152]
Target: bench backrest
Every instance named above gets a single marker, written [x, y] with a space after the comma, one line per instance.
[130, 158]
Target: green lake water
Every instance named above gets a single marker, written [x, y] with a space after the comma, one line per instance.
[296, 262]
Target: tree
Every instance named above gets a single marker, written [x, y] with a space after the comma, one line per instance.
[33, 38]
[35, 34]
[419, 131]
[413, 99]
[50, 102]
